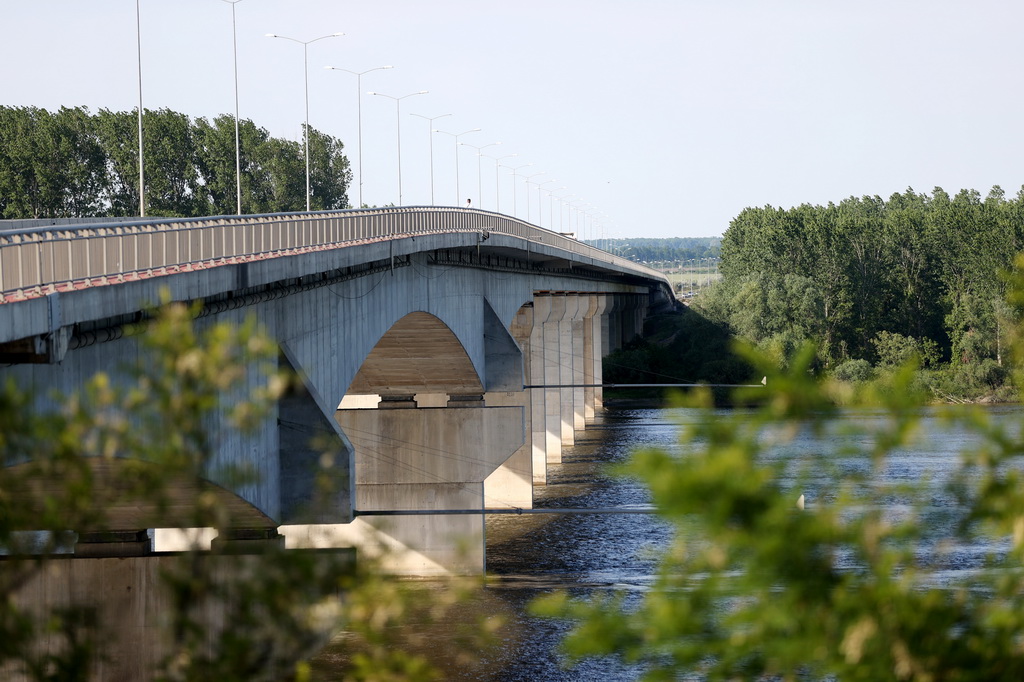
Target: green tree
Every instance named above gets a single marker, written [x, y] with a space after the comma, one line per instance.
[173, 181]
[140, 439]
[16, 161]
[117, 133]
[283, 164]
[50, 164]
[756, 585]
[329, 172]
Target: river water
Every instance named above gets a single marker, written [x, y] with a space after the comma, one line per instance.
[528, 555]
[581, 553]
[584, 554]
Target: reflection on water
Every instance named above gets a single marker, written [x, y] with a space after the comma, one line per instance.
[530, 554]
[527, 555]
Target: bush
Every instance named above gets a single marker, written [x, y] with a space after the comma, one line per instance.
[894, 350]
[854, 371]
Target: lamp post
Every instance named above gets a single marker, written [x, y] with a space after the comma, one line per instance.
[238, 147]
[458, 192]
[562, 200]
[540, 204]
[398, 129]
[142, 173]
[551, 205]
[430, 126]
[515, 204]
[305, 82]
[359, 116]
[526, 179]
[497, 187]
[479, 184]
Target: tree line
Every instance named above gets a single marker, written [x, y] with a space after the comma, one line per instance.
[76, 164]
[673, 250]
[872, 281]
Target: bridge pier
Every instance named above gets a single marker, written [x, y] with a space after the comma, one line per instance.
[421, 459]
[511, 484]
[125, 605]
[568, 345]
[593, 356]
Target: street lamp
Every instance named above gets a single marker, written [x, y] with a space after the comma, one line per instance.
[398, 128]
[562, 201]
[515, 204]
[359, 116]
[540, 205]
[458, 192]
[497, 187]
[581, 212]
[305, 82]
[526, 178]
[430, 126]
[238, 147]
[142, 174]
[479, 185]
[551, 205]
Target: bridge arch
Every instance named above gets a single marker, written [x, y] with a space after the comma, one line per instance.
[418, 354]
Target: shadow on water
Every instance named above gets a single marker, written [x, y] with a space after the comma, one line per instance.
[587, 554]
[533, 554]
[580, 553]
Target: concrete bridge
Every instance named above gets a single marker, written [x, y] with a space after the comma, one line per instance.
[414, 332]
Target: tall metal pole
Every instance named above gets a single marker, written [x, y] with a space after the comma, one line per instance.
[551, 206]
[527, 179]
[479, 183]
[305, 84]
[142, 173]
[540, 201]
[497, 186]
[359, 117]
[431, 131]
[398, 128]
[238, 147]
[515, 203]
[458, 191]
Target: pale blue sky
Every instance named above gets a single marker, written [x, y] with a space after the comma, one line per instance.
[667, 117]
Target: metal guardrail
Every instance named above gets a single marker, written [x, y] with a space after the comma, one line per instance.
[41, 260]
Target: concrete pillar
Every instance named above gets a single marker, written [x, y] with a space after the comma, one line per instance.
[421, 460]
[129, 605]
[535, 377]
[567, 359]
[579, 345]
[600, 325]
[638, 307]
[511, 484]
[552, 340]
[592, 355]
[610, 335]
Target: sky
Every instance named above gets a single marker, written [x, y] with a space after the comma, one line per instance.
[642, 118]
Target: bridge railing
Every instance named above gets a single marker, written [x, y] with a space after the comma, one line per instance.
[40, 260]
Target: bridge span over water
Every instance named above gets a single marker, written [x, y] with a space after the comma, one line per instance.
[414, 332]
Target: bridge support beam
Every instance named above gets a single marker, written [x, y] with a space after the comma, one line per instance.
[593, 355]
[568, 345]
[555, 336]
[126, 598]
[511, 485]
[421, 459]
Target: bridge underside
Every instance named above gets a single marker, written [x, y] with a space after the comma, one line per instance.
[413, 366]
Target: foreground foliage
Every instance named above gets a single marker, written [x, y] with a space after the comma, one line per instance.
[272, 610]
[849, 586]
